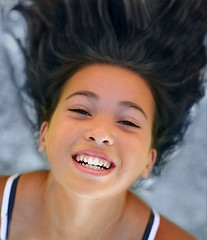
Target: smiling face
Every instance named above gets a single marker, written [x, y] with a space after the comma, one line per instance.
[104, 118]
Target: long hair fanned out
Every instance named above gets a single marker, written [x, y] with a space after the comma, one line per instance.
[160, 40]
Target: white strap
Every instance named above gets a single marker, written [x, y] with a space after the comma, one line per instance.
[155, 226]
[5, 205]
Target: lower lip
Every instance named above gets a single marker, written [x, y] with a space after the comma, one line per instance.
[92, 171]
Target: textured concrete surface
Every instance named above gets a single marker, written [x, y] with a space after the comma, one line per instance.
[180, 193]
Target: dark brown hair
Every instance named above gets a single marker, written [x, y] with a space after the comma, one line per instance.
[160, 40]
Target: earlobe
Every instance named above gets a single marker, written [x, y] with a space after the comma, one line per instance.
[150, 163]
[42, 137]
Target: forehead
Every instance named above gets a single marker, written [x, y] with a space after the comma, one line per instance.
[111, 85]
[107, 78]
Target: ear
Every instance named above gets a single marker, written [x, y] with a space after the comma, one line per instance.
[150, 163]
[43, 132]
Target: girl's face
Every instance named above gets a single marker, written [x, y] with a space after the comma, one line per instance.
[104, 118]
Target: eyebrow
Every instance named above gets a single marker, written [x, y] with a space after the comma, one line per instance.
[83, 93]
[135, 106]
[123, 103]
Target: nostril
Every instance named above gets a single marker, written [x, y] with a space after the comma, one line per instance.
[99, 139]
[91, 138]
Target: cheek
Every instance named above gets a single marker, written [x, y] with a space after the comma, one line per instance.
[61, 138]
[135, 151]
[138, 143]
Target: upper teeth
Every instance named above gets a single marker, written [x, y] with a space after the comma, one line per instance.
[93, 160]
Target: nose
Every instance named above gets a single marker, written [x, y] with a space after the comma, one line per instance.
[100, 136]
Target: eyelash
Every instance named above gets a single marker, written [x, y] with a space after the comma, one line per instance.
[83, 112]
[128, 123]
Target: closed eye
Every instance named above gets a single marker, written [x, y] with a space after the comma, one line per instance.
[128, 123]
[80, 111]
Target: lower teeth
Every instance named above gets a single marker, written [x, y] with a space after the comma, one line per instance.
[93, 167]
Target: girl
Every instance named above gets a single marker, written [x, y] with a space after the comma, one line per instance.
[113, 83]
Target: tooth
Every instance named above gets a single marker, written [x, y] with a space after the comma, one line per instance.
[96, 161]
[81, 157]
[100, 162]
[90, 160]
[94, 167]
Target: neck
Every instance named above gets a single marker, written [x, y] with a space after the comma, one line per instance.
[81, 218]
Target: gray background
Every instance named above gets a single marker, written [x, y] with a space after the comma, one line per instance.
[179, 194]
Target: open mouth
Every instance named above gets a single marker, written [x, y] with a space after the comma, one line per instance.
[93, 162]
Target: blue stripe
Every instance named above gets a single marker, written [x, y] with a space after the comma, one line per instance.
[149, 226]
[11, 203]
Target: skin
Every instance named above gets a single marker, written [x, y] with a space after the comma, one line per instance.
[68, 202]
[101, 128]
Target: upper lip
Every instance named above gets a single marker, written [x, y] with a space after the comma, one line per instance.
[95, 153]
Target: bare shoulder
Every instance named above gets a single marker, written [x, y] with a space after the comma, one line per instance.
[169, 230]
[28, 188]
[3, 180]
[32, 180]
[27, 181]
[30, 185]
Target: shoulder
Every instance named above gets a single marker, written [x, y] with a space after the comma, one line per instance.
[166, 230]
[30, 187]
[27, 181]
[3, 180]
[169, 230]
[32, 180]
[28, 191]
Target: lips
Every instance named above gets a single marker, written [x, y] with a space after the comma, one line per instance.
[94, 160]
